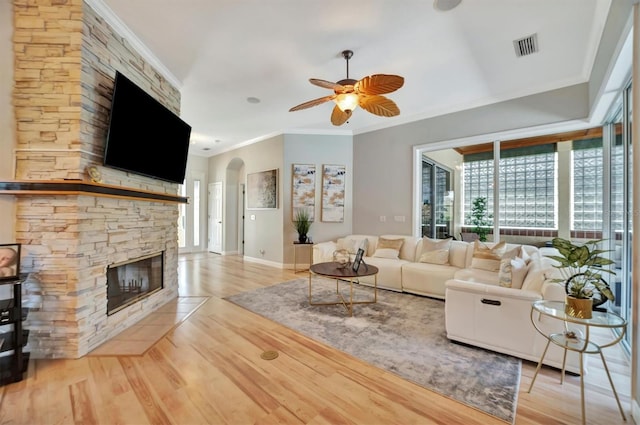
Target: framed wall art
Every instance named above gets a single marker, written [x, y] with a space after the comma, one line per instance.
[9, 261]
[333, 182]
[303, 189]
[262, 190]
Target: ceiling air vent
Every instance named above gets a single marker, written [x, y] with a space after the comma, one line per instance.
[526, 46]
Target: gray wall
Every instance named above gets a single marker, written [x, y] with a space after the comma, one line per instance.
[383, 160]
[263, 234]
[318, 150]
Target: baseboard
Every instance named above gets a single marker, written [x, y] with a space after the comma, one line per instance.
[265, 262]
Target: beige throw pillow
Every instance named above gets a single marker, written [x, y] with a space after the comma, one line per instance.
[435, 251]
[388, 248]
[485, 258]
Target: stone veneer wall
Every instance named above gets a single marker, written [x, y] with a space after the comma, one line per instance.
[65, 62]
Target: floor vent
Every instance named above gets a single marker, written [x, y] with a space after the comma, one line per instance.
[526, 46]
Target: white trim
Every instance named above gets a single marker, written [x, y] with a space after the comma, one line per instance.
[121, 28]
[265, 262]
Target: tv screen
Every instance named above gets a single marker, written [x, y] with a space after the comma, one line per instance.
[145, 137]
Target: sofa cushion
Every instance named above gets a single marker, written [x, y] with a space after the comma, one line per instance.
[477, 275]
[435, 251]
[488, 258]
[388, 248]
[537, 272]
[426, 279]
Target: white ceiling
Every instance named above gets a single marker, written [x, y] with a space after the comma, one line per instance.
[221, 52]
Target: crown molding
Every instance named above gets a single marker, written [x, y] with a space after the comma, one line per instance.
[121, 28]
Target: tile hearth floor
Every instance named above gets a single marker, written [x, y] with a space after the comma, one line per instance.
[137, 339]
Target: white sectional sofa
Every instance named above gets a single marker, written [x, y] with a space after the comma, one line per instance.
[480, 309]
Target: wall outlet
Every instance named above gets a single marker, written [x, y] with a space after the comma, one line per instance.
[383, 218]
[399, 218]
[262, 251]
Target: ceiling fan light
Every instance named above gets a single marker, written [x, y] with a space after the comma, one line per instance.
[347, 101]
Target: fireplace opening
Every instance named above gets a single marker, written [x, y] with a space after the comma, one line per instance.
[133, 280]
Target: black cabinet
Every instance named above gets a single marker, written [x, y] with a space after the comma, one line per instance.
[13, 362]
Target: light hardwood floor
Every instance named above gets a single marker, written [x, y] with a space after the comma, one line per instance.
[208, 370]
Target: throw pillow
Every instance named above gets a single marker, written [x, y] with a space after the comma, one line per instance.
[485, 258]
[512, 272]
[388, 248]
[518, 272]
[435, 251]
[352, 244]
[504, 275]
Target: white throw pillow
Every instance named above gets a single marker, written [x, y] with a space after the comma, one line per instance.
[353, 244]
[485, 258]
[435, 251]
[518, 272]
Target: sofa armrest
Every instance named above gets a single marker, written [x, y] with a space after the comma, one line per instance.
[323, 251]
[492, 290]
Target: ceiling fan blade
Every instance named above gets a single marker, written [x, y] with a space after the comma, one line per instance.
[313, 102]
[326, 84]
[379, 105]
[379, 84]
[339, 117]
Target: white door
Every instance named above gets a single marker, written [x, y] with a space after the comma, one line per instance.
[215, 217]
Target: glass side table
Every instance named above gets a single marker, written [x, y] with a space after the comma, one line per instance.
[572, 341]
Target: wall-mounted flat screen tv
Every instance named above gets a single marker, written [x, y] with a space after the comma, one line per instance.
[144, 136]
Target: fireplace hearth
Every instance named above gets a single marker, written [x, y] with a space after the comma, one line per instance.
[131, 281]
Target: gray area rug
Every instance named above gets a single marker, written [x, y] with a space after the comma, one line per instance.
[401, 333]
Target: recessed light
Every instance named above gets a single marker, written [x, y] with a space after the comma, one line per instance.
[253, 100]
[444, 5]
[217, 141]
[206, 149]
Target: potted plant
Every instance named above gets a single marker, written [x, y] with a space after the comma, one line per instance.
[480, 218]
[581, 268]
[302, 223]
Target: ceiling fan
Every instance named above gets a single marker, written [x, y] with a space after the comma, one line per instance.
[349, 93]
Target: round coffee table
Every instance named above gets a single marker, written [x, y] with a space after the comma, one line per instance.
[339, 272]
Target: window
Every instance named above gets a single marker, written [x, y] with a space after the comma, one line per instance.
[437, 200]
[587, 184]
[527, 185]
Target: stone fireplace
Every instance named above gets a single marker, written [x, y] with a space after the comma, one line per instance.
[66, 56]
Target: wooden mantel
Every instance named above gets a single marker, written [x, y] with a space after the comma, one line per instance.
[81, 187]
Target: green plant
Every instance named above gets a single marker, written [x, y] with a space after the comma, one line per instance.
[302, 221]
[481, 220]
[581, 268]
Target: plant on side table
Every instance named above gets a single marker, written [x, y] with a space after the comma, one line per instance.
[581, 268]
[302, 223]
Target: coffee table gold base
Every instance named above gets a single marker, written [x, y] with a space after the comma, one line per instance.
[349, 302]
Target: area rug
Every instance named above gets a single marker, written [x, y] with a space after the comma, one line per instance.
[401, 333]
